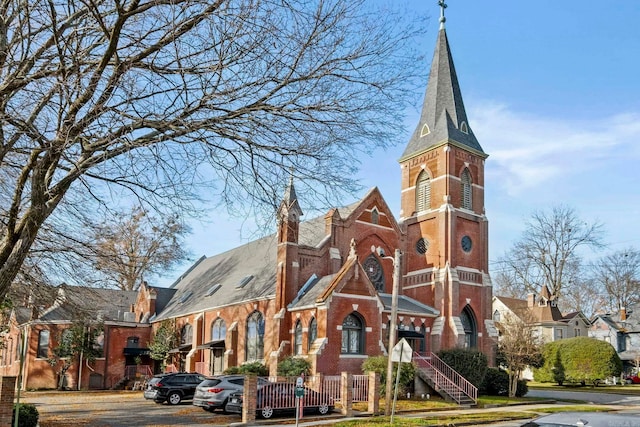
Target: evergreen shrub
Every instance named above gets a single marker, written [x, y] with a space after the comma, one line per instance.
[578, 360]
[496, 383]
[27, 417]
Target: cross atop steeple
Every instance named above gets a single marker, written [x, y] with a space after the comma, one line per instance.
[443, 6]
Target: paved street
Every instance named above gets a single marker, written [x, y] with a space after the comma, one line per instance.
[592, 397]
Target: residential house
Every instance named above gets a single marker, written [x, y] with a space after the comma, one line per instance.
[542, 311]
[622, 331]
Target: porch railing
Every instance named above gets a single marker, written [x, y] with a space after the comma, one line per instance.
[446, 378]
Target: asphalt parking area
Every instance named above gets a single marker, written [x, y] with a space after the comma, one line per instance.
[117, 409]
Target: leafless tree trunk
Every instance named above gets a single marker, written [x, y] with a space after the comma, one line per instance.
[119, 103]
[547, 253]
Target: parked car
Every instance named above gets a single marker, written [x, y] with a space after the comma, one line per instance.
[590, 419]
[278, 398]
[212, 393]
[632, 379]
[172, 388]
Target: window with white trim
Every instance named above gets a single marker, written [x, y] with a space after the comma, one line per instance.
[466, 190]
[423, 192]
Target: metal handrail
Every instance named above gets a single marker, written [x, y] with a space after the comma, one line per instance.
[446, 378]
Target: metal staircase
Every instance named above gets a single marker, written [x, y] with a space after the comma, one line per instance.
[445, 380]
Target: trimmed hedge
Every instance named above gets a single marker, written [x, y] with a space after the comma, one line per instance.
[496, 383]
[578, 360]
[294, 367]
[471, 364]
[27, 417]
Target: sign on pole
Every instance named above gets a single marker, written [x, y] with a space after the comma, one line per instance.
[402, 352]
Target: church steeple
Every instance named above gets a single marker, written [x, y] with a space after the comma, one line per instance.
[443, 118]
[289, 214]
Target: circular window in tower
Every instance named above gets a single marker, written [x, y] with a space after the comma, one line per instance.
[422, 246]
[466, 243]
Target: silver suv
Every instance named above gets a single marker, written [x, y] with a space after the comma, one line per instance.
[212, 393]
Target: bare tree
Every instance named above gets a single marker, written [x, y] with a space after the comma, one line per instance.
[619, 274]
[149, 102]
[518, 346]
[585, 295]
[136, 246]
[547, 253]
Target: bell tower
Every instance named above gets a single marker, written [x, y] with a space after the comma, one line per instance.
[442, 208]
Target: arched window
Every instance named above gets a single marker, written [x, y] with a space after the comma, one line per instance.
[255, 337]
[297, 338]
[186, 335]
[374, 270]
[466, 189]
[218, 330]
[352, 335]
[496, 316]
[423, 192]
[65, 346]
[43, 344]
[375, 216]
[313, 331]
[468, 320]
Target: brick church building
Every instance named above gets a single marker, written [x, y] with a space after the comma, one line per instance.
[315, 289]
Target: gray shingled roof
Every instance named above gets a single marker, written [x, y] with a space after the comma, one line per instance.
[228, 269]
[407, 305]
[443, 110]
[73, 302]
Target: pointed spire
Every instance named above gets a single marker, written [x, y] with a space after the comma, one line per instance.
[290, 200]
[443, 118]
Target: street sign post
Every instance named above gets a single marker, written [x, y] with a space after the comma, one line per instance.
[402, 352]
[299, 393]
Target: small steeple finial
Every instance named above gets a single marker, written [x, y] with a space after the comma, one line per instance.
[443, 6]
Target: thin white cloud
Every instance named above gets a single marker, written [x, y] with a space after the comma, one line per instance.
[530, 152]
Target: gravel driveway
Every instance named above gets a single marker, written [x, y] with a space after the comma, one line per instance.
[117, 409]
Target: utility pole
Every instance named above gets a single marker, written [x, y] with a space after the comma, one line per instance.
[392, 329]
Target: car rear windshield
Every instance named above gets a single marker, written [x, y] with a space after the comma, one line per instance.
[210, 382]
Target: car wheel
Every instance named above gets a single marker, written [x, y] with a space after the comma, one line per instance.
[224, 406]
[174, 398]
[323, 409]
[266, 412]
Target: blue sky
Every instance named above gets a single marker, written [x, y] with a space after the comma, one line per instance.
[552, 92]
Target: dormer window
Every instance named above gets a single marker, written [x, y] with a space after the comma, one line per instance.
[464, 128]
[185, 297]
[212, 290]
[425, 130]
[244, 281]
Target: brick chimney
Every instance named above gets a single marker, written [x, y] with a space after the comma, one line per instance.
[623, 314]
[531, 300]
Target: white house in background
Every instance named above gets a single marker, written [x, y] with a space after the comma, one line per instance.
[541, 310]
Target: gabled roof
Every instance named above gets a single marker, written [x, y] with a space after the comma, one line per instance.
[443, 118]
[256, 259]
[513, 304]
[77, 302]
[245, 273]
